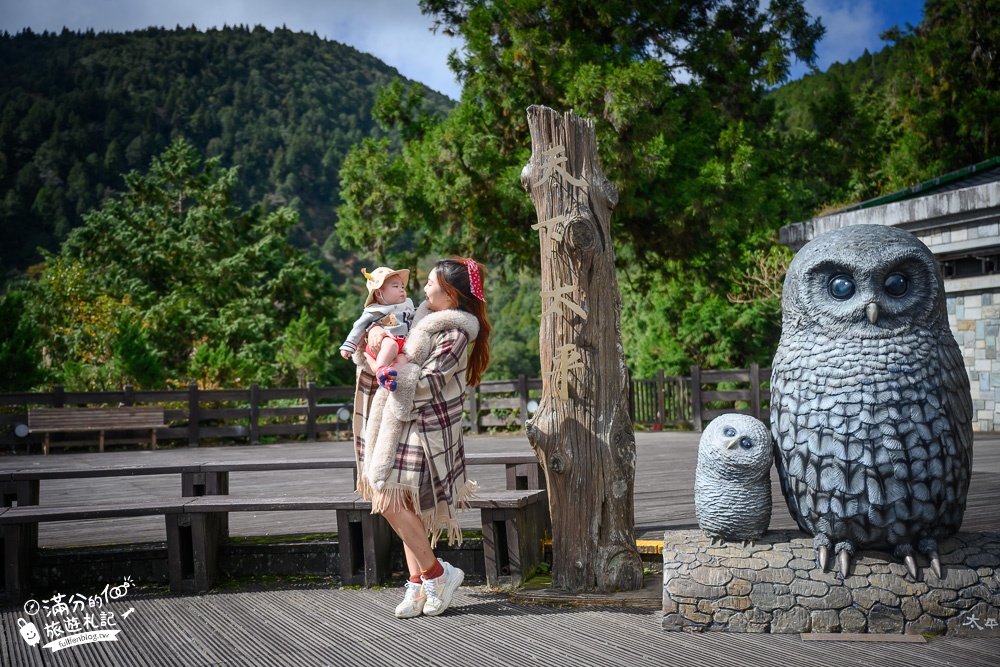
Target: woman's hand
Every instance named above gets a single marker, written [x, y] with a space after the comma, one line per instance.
[375, 337]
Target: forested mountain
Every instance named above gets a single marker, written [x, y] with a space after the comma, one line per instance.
[79, 110]
[800, 98]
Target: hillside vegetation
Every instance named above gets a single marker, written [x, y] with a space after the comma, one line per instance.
[79, 110]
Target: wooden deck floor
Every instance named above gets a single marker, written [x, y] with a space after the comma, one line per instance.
[322, 626]
[664, 487]
[311, 626]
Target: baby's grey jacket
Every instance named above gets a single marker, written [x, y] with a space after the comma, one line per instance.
[373, 314]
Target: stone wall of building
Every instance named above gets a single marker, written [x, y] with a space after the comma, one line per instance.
[775, 586]
[975, 320]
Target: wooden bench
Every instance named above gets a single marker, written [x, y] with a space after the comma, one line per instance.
[197, 524]
[75, 420]
[20, 525]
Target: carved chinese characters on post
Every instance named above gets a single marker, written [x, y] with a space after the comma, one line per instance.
[558, 296]
[568, 358]
[554, 227]
[555, 159]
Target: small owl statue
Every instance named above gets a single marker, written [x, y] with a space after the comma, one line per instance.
[870, 404]
[732, 483]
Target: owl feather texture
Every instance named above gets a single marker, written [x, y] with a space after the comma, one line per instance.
[732, 483]
[870, 405]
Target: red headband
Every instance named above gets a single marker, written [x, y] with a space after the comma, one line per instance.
[475, 280]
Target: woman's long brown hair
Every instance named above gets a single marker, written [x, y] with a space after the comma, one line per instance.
[453, 276]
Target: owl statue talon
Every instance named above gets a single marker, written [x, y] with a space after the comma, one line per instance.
[935, 563]
[821, 543]
[928, 546]
[905, 552]
[844, 561]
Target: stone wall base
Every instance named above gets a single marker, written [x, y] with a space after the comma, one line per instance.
[775, 586]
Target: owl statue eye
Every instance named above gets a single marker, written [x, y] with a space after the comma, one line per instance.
[730, 432]
[745, 443]
[841, 287]
[896, 285]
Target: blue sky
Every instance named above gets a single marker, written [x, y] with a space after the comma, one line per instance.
[394, 30]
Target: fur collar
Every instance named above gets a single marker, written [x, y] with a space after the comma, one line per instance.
[428, 322]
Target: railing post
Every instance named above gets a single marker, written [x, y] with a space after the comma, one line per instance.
[755, 390]
[473, 408]
[696, 398]
[129, 395]
[58, 396]
[254, 414]
[311, 411]
[661, 403]
[522, 390]
[194, 414]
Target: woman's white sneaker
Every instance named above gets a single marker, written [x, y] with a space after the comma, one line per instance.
[440, 589]
[413, 601]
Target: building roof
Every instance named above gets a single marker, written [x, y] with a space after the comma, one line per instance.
[987, 171]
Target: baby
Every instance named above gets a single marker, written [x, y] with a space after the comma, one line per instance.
[386, 318]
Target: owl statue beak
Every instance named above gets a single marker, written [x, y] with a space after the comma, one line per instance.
[732, 443]
[871, 310]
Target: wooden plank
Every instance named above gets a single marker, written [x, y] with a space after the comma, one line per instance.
[500, 458]
[220, 395]
[82, 419]
[285, 411]
[243, 466]
[499, 403]
[275, 394]
[727, 395]
[713, 377]
[202, 504]
[506, 499]
[486, 419]
[861, 637]
[498, 387]
[123, 508]
[104, 471]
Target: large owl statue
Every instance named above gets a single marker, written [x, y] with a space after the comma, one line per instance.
[732, 483]
[870, 404]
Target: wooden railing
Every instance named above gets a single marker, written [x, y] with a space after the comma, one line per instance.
[194, 415]
[710, 397]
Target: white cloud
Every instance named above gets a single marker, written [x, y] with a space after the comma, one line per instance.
[851, 27]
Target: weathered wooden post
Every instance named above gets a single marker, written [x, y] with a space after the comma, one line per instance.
[581, 432]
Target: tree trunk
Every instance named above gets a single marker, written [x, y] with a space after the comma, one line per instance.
[581, 432]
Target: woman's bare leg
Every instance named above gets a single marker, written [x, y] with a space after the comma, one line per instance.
[411, 531]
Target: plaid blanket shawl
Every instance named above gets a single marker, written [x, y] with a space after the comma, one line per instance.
[408, 443]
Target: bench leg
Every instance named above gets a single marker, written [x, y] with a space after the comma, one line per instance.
[364, 542]
[19, 494]
[512, 543]
[17, 561]
[525, 476]
[208, 484]
[100, 441]
[192, 551]
[45, 444]
[152, 439]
